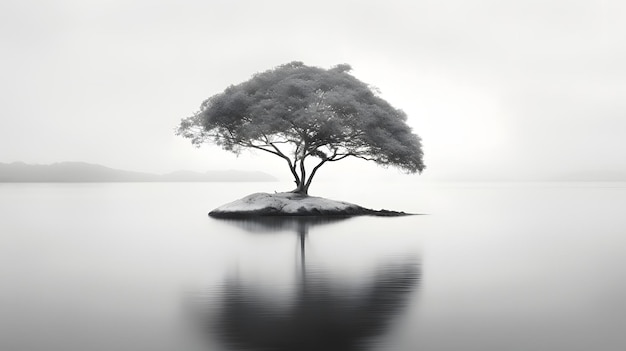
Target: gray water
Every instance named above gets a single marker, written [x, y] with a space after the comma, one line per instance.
[142, 267]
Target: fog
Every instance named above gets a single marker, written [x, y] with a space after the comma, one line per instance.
[516, 90]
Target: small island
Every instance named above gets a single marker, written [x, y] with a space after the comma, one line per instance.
[309, 117]
[293, 204]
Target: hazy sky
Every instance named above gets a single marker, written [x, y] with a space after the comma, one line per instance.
[500, 89]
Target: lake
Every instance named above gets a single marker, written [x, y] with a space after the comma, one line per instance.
[140, 266]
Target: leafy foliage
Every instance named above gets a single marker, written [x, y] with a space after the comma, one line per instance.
[298, 112]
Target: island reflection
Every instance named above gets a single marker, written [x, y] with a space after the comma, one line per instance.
[323, 313]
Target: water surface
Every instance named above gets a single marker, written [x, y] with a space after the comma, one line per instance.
[141, 266]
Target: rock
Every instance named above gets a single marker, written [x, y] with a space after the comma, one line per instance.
[293, 204]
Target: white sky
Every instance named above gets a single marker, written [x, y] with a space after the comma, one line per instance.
[496, 89]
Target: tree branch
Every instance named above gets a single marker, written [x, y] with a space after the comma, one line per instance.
[333, 159]
[292, 165]
[362, 157]
[308, 182]
[279, 153]
[260, 147]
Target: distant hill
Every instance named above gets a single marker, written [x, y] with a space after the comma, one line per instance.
[80, 172]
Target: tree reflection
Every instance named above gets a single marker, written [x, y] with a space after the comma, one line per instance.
[324, 313]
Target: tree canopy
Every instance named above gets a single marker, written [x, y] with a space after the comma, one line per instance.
[301, 113]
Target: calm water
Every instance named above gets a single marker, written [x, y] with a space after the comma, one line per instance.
[141, 267]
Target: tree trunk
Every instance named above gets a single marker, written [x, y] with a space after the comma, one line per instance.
[302, 185]
[301, 188]
[302, 182]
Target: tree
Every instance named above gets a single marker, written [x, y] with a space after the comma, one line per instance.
[309, 117]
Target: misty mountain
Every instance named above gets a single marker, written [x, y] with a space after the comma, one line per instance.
[80, 172]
